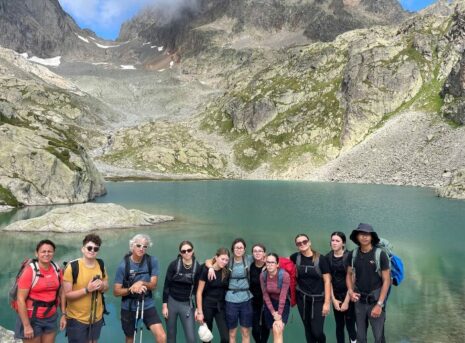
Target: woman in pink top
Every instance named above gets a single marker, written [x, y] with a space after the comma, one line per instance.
[39, 296]
[275, 287]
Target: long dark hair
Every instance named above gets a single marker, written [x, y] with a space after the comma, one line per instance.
[315, 254]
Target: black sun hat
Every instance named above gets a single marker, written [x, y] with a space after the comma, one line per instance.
[364, 228]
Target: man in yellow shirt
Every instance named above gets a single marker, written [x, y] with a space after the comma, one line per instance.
[84, 293]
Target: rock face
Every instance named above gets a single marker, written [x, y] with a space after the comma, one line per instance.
[317, 20]
[40, 28]
[40, 159]
[7, 336]
[87, 217]
[456, 187]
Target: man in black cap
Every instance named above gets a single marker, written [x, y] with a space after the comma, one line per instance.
[368, 280]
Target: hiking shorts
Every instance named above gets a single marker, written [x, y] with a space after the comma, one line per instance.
[269, 320]
[128, 320]
[241, 312]
[78, 332]
[39, 325]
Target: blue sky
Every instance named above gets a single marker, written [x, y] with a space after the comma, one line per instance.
[105, 17]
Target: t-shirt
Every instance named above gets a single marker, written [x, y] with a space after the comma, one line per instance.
[308, 280]
[366, 277]
[214, 291]
[238, 281]
[338, 268]
[79, 309]
[140, 272]
[179, 286]
[255, 287]
[45, 288]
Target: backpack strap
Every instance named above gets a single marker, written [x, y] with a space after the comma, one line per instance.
[74, 270]
[35, 272]
[298, 262]
[378, 259]
[316, 265]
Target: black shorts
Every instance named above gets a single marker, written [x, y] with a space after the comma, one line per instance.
[128, 319]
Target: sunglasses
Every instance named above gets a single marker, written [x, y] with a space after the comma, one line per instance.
[141, 246]
[90, 248]
[301, 243]
[185, 251]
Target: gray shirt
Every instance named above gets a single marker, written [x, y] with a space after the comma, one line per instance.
[238, 282]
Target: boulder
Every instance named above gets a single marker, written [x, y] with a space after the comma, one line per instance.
[7, 336]
[87, 217]
[455, 188]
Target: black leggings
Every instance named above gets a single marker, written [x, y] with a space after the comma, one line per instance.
[217, 313]
[260, 332]
[312, 318]
[344, 320]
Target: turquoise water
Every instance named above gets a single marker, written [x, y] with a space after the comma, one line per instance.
[427, 233]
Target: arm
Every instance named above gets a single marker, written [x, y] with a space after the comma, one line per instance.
[22, 312]
[336, 303]
[266, 296]
[63, 320]
[378, 308]
[199, 300]
[211, 272]
[166, 289]
[327, 285]
[283, 293]
[350, 285]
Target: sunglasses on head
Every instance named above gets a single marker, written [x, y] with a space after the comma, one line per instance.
[141, 246]
[185, 251]
[301, 243]
[90, 248]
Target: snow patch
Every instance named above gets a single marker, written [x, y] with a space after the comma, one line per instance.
[92, 38]
[24, 54]
[99, 63]
[171, 64]
[160, 70]
[82, 38]
[153, 47]
[53, 62]
[160, 48]
[146, 43]
[127, 66]
[106, 46]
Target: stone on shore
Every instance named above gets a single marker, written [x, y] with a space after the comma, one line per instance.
[7, 336]
[87, 217]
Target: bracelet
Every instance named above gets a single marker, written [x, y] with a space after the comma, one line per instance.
[86, 290]
[64, 314]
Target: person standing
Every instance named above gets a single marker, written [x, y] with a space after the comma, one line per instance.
[38, 296]
[135, 279]
[179, 288]
[84, 282]
[260, 331]
[343, 308]
[275, 283]
[313, 288]
[368, 280]
[211, 294]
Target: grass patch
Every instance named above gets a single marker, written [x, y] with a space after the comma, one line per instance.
[8, 198]
[63, 155]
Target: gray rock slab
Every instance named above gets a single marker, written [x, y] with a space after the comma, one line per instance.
[88, 217]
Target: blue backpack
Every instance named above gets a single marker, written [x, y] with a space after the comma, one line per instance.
[395, 262]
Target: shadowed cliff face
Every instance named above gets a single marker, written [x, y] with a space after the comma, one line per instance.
[319, 20]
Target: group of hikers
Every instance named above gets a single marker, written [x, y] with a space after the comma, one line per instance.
[233, 289]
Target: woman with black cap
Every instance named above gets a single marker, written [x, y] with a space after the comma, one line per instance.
[368, 280]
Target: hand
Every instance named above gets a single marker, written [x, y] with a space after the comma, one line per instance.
[278, 325]
[95, 285]
[344, 306]
[211, 274]
[199, 317]
[325, 310]
[354, 296]
[63, 322]
[28, 332]
[276, 316]
[164, 310]
[138, 288]
[376, 311]
[337, 305]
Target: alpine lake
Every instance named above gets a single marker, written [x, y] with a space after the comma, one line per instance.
[427, 233]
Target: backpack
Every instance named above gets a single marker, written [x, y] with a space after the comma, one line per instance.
[128, 278]
[185, 277]
[247, 273]
[395, 262]
[13, 293]
[316, 265]
[75, 272]
[289, 266]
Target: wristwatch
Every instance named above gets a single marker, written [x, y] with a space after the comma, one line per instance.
[380, 304]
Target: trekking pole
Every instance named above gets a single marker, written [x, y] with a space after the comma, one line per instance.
[136, 320]
[93, 310]
[142, 318]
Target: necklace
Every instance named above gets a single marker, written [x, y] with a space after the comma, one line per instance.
[187, 266]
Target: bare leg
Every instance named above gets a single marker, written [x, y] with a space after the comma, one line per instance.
[245, 332]
[158, 332]
[232, 335]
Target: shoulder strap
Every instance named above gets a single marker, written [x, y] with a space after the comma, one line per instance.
[280, 278]
[178, 265]
[264, 275]
[194, 269]
[74, 270]
[298, 261]
[35, 272]
[127, 267]
[102, 267]
[316, 265]
[378, 251]
[149, 264]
